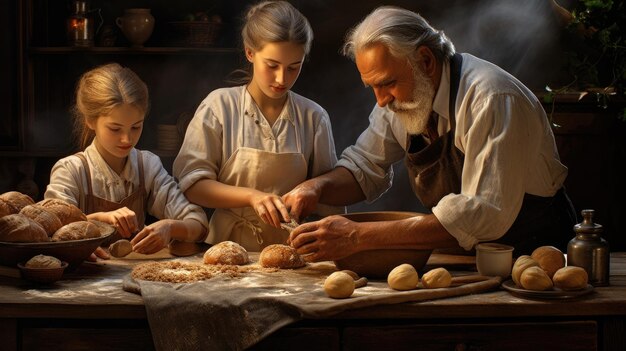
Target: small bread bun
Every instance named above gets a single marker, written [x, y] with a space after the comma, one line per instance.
[76, 231]
[549, 258]
[66, 212]
[17, 200]
[281, 256]
[120, 248]
[17, 228]
[43, 261]
[48, 220]
[226, 252]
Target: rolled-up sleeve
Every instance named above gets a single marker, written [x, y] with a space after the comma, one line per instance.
[371, 158]
[498, 150]
[200, 154]
[166, 200]
[64, 181]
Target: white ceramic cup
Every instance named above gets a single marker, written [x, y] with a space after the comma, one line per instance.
[494, 259]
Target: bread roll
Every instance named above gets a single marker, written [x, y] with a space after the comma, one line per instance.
[549, 258]
[43, 261]
[120, 248]
[281, 256]
[76, 231]
[226, 252]
[571, 278]
[5, 209]
[66, 212]
[17, 228]
[48, 220]
[17, 200]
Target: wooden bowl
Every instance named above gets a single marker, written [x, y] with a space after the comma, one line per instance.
[378, 263]
[44, 275]
[74, 252]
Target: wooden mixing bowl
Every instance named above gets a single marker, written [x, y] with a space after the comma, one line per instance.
[378, 263]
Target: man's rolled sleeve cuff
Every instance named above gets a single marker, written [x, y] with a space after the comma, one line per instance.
[369, 189]
[449, 219]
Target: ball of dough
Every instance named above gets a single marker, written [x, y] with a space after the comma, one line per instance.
[17, 200]
[43, 261]
[281, 256]
[339, 285]
[120, 248]
[76, 231]
[66, 212]
[535, 278]
[18, 228]
[571, 278]
[48, 220]
[403, 277]
[226, 252]
[549, 258]
[437, 278]
[519, 266]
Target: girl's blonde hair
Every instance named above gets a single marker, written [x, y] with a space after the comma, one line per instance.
[273, 22]
[102, 89]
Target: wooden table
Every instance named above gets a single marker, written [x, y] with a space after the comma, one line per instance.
[100, 315]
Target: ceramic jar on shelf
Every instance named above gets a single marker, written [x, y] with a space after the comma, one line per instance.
[137, 25]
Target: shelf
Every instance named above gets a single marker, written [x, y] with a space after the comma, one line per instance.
[67, 50]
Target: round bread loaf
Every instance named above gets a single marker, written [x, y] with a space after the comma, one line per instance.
[120, 248]
[48, 220]
[66, 212]
[17, 200]
[76, 231]
[17, 228]
[43, 261]
[281, 256]
[226, 252]
[5, 209]
[549, 258]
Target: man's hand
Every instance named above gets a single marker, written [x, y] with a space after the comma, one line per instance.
[331, 238]
[153, 238]
[302, 200]
[270, 208]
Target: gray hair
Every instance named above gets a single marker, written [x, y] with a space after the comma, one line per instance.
[273, 22]
[401, 31]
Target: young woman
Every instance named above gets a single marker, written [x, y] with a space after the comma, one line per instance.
[248, 145]
[113, 182]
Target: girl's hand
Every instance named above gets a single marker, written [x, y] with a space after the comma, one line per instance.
[270, 208]
[99, 253]
[153, 238]
[123, 219]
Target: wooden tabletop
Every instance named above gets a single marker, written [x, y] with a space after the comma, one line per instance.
[95, 291]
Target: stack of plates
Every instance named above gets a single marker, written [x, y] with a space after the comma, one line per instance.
[168, 137]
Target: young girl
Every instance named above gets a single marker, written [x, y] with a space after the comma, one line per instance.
[248, 145]
[113, 182]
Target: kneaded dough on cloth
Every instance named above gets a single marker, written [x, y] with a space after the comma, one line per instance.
[163, 253]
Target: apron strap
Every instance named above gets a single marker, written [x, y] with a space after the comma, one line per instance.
[89, 196]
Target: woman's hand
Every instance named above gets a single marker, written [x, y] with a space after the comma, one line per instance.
[153, 238]
[270, 208]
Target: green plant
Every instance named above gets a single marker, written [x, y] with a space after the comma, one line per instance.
[595, 56]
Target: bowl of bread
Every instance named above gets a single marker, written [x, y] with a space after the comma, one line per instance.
[378, 263]
[42, 269]
[50, 227]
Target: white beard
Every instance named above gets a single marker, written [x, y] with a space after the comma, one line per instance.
[414, 114]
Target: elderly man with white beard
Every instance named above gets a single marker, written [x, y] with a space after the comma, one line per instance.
[476, 142]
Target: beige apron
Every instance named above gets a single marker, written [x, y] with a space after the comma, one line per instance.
[270, 172]
[135, 201]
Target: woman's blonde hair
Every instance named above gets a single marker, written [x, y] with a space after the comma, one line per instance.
[273, 22]
[102, 89]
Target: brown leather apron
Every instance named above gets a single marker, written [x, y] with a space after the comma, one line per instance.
[435, 171]
[134, 202]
